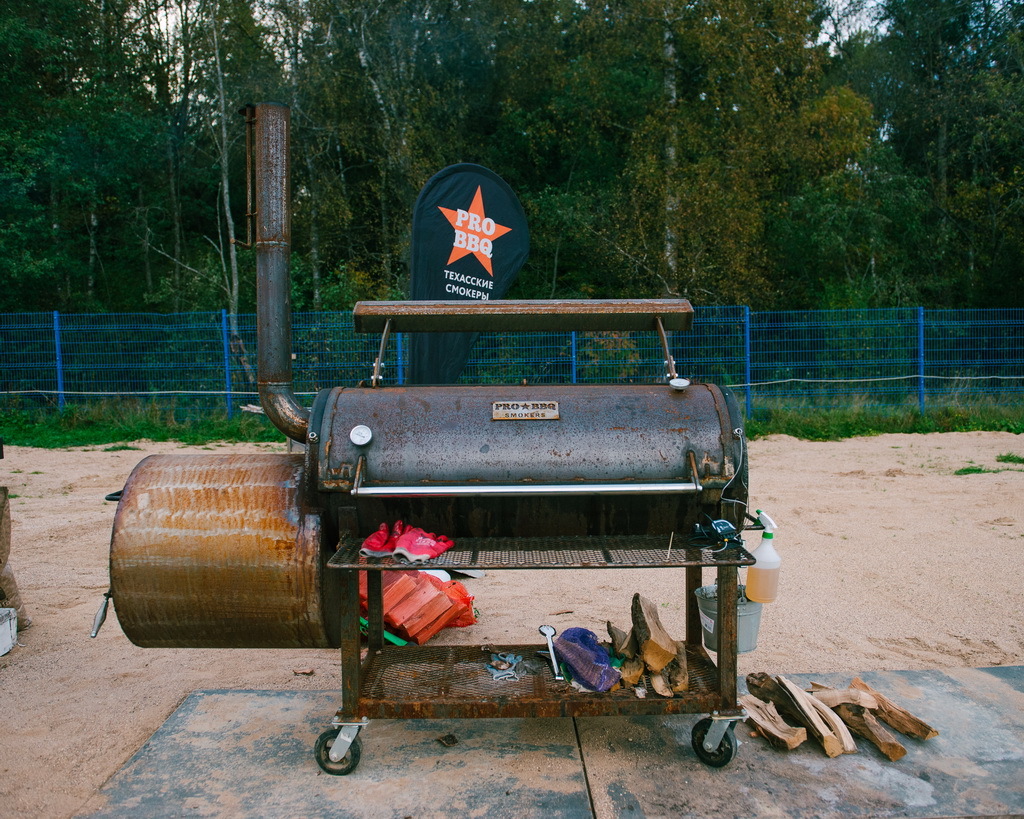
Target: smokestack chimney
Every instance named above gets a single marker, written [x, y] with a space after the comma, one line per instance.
[273, 278]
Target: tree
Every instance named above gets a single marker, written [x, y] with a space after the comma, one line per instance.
[944, 78]
[859, 237]
[724, 150]
[72, 152]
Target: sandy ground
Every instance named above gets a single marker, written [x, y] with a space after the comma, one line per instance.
[890, 561]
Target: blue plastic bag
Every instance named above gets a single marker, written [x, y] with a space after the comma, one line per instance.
[586, 659]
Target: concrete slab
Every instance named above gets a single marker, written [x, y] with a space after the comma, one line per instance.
[249, 753]
[645, 766]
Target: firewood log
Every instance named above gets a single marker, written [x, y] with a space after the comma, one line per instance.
[632, 671]
[830, 718]
[836, 696]
[434, 608]
[655, 646]
[897, 717]
[676, 672]
[863, 723]
[791, 701]
[623, 643]
[660, 685]
[764, 716]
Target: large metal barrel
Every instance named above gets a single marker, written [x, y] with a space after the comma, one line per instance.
[531, 460]
[217, 551]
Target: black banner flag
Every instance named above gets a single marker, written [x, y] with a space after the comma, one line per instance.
[469, 240]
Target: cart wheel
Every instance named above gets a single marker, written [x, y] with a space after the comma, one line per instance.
[322, 751]
[722, 755]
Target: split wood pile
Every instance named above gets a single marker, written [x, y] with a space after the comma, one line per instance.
[830, 715]
[417, 606]
[648, 648]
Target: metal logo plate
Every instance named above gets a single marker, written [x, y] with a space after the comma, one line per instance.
[524, 411]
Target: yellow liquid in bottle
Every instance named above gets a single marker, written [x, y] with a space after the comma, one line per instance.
[762, 584]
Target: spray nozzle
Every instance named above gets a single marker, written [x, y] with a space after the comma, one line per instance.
[766, 521]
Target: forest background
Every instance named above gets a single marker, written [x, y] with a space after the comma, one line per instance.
[783, 155]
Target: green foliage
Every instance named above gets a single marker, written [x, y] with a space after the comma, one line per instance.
[860, 237]
[974, 470]
[715, 151]
[945, 80]
[1010, 458]
[832, 425]
[114, 422]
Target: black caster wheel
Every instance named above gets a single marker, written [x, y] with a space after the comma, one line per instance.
[725, 751]
[322, 751]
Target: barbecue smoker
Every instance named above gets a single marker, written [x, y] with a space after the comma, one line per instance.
[262, 551]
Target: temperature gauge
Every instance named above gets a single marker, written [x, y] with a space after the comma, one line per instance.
[360, 435]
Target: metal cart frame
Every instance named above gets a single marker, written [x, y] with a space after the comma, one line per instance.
[440, 682]
[432, 682]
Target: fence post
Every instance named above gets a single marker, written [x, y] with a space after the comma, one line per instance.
[920, 359]
[227, 358]
[398, 360]
[59, 360]
[572, 359]
[746, 358]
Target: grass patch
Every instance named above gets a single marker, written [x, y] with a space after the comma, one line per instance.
[974, 469]
[837, 424]
[114, 424]
[979, 470]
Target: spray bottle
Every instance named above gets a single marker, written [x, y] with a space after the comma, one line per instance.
[763, 576]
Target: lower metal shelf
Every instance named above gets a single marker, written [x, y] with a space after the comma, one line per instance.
[437, 682]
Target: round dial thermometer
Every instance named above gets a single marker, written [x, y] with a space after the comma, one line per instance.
[360, 435]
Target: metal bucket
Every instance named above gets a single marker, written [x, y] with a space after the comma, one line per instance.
[748, 620]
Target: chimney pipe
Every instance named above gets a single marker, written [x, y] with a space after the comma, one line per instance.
[273, 285]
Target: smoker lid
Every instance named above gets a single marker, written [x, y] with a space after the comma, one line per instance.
[534, 435]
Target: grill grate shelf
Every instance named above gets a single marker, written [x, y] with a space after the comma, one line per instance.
[437, 682]
[558, 552]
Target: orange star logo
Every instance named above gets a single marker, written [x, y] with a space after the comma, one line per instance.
[474, 232]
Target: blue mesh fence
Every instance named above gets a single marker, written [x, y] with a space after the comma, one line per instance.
[836, 356]
[202, 362]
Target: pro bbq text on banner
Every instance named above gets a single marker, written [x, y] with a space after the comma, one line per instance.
[469, 241]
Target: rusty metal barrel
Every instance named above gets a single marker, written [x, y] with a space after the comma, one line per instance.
[218, 551]
[537, 460]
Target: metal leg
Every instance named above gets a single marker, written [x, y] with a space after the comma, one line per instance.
[337, 750]
[375, 611]
[727, 640]
[694, 635]
[350, 645]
